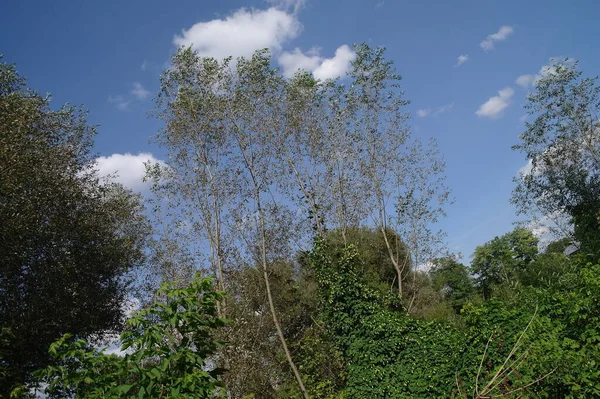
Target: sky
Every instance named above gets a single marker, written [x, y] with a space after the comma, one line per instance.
[467, 66]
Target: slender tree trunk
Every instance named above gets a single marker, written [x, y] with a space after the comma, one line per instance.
[270, 299]
[248, 160]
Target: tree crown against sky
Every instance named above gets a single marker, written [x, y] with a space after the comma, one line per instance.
[67, 243]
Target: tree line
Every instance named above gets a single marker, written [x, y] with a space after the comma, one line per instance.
[292, 227]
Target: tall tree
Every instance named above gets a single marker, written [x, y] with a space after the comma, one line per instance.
[356, 163]
[221, 122]
[251, 154]
[197, 184]
[67, 242]
[563, 146]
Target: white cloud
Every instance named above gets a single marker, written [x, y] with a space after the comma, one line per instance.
[145, 65]
[525, 80]
[493, 107]
[461, 60]
[119, 102]
[291, 62]
[139, 92]
[422, 113]
[127, 169]
[321, 68]
[241, 33]
[502, 34]
[336, 66]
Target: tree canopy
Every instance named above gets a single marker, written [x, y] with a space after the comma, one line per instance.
[67, 242]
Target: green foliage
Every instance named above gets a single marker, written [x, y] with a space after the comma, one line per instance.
[504, 349]
[559, 246]
[387, 353]
[547, 270]
[321, 363]
[503, 259]
[375, 265]
[574, 306]
[452, 280]
[168, 346]
[68, 244]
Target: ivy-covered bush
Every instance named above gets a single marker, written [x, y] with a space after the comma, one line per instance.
[388, 354]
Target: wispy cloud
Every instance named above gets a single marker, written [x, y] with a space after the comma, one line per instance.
[422, 113]
[494, 106]
[119, 102]
[294, 5]
[489, 43]
[139, 91]
[461, 60]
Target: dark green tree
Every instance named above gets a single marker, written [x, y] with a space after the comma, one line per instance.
[67, 242]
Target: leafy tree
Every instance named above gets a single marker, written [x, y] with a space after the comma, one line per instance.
[167, 347]
[452, 280]
[67, 243]
[503, 259]
[547, 270]
[563, 146]
[255, 364]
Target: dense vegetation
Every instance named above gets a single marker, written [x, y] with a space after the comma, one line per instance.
[313, 210]
[67, 242]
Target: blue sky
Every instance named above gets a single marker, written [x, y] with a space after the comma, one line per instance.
[107, 55]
